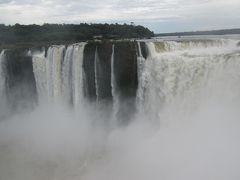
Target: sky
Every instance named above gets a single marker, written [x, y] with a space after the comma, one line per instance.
[158, 15]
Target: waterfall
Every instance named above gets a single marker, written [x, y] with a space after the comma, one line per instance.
[77, 73]
[186, 77]
[4, 109]
[115, 95]
[56, 71]
[141, 81]
[39, 69]
[96, 73]
[66, 74]
[113, 82]
[54, 76]
[60, 76]
[186, 125]
[174, 73]
[2, 78]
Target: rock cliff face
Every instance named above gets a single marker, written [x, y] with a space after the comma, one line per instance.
[20, 83]
[89, 68]
[103, 70]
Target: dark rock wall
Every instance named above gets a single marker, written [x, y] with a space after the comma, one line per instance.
[125, 63]
[126, 78]
[20, 81]
[88, 67]
[144, 49]
[104, 71]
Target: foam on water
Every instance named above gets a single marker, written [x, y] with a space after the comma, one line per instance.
[186, 76]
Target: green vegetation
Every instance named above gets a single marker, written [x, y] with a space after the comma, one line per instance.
[58, 33]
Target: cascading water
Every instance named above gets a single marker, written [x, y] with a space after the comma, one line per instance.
[54, 68]
[172, 70]
[185, 74]
[67, 74]
[174, 45]
[113, 83]
[2, 79]
[77, 74]
[96, 72]
[114, 87]
[141, 80]
[40, 74]
[3, 101]
[47, 72]
[58, 75]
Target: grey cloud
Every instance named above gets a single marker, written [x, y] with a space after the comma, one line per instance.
[147, 12]
[4, 1]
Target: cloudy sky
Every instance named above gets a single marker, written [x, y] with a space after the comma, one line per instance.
[158, 15]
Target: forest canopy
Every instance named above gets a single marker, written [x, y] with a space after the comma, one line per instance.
[69, 32]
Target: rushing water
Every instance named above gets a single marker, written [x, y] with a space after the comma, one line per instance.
[77, 74]
[40, 72]
[141, 81]
[186, 73]
[2, 81]
[54, 60]
[66, 74]
[96, 66]
[186, 125]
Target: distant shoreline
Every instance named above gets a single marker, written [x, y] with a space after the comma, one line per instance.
[212, 32]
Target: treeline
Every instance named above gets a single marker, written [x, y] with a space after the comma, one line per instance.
[69, 32]
[213, 32]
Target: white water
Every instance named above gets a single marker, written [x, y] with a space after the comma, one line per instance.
[47, 72]
[163, 46]
[141, 80]
[2, 79]
[77, 74]
[3, 106]
[114, 88]
[192, 95]
[57, 59]
[184, 77]
[40, 74]
[113, 83]
[60, 76]
[54, 66]
[66, 74]
[96, 73]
